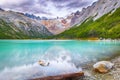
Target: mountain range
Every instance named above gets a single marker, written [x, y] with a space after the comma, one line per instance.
[14, 25]
[101, 19]
[32, 16]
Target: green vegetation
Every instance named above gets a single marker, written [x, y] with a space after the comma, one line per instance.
[108, 26]
[8, 32]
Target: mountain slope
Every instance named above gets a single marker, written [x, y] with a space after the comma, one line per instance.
[96, 10]
[16, 25]
[56, 26]
[7, 32]
[108, 26]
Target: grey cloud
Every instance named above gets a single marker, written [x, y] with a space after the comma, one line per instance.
[60, 1]
[41, 6]
[77, 4]
[40, 11]
[42, 2]
[70, 3]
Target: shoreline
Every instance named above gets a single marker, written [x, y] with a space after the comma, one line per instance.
[64, 39]
[89, 38]
[90, 74]
[113, 74]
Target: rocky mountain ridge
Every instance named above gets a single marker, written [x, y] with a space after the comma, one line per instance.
[95, 11]
[18, 23]
[56, 26]
[105, 27]
[32, 16]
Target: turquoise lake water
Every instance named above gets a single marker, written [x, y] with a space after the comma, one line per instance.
[18, 58]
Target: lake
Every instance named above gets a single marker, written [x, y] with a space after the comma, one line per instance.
[19, 58]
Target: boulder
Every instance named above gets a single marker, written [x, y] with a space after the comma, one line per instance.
[103, 66]
[43, 63]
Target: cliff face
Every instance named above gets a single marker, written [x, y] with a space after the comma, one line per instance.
[56, 26]
[96, 10]
[16, 25]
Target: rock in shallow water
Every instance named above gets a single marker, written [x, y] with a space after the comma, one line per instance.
[103, 66]
[43, 63]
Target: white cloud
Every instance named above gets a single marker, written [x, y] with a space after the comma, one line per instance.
[49, 8]
[11, 2]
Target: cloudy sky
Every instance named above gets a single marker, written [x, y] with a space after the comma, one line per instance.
[48, 8]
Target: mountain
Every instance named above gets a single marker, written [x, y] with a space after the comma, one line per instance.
[1, 9]
[92, 21]
[56, 26]
[14, 25]
[101, 19]
[96, 10]
[107, 26]
[32, 16]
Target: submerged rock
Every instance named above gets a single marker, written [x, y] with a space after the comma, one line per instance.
[43, 63]
[103, 66]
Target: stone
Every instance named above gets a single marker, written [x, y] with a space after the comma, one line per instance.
[103, 66]
[43, 63]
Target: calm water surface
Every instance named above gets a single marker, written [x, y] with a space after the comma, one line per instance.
[18, 58]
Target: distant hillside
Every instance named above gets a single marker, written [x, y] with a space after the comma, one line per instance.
[14, 25]
[108, 26]
[32, 16]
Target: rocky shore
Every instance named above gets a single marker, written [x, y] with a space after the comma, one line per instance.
[90, 73]
[113, 74]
